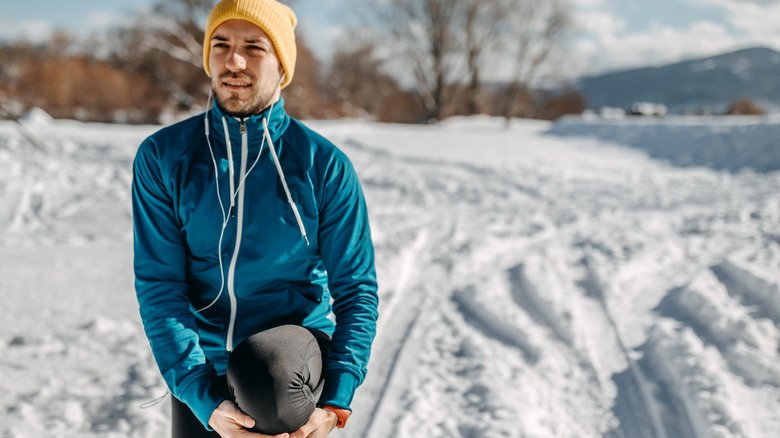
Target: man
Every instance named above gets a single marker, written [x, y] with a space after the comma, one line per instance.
[251, 237]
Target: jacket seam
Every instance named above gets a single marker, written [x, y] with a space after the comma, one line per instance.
[340, 366]
[187, 382]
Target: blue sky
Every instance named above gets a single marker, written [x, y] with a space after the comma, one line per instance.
[610, 34]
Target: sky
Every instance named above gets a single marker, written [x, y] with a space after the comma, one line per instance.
[608, 34]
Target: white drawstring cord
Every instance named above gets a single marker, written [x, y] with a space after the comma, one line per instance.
[234, 192]
[155, 402]
[257, 159]
[225, 216]
[284, 182]
[231, 167]
[214, 160]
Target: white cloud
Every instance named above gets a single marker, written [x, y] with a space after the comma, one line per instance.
[325, 39]
[335, 32]
[32, 30]
[757, 19]
[98, 21]
[601, 24]
[663, 44]
[612, 49]
[40, 30]
[587, 3]
[758, 2]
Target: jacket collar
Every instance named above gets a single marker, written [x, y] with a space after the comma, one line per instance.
[278, 121]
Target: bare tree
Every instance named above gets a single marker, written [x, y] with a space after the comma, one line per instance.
[165, 45]
[537, 29]
[442, 45]
[422, 35]
[304, 95]
[356, 82]
[484, 23]
[176, 28]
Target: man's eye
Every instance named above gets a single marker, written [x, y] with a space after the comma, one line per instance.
[220, 45]
[256, 48]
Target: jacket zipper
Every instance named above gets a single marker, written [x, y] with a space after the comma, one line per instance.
[239, 229]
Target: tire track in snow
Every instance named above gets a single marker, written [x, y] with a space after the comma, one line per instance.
[757, 293]
[23, 212]
[720, 320]
[23, 190]
[474, 172]
[494, 213]
[28, 210]
[526, 295]
[402, 284]
[443, 189]
[397, 320]
[480, 204]
[632, 384]
[100, 397]
[691, 392]
[60, 208]
[492, 326]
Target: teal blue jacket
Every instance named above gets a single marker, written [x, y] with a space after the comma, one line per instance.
[270, 276]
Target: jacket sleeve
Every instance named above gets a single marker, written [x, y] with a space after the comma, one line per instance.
[161, 289]
[348, 253]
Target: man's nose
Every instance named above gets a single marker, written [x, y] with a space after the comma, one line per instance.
[236, 62]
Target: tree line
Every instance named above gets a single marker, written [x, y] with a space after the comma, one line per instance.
[407, 61]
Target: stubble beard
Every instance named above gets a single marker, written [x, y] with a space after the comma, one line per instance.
[230, 103]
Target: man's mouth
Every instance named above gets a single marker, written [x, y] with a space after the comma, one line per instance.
[236, 84]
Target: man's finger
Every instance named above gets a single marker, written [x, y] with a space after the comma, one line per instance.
[245, 420]
[241, 417]
[303, 432]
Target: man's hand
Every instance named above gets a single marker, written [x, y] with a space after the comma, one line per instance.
[321, 422]
[230, 422]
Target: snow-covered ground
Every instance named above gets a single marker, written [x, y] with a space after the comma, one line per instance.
[532, 285]
[731, 143]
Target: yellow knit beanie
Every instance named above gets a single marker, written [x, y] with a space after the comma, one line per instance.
[275, 19]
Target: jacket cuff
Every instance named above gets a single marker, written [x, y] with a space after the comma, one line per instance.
[202, 396]
[339, 389]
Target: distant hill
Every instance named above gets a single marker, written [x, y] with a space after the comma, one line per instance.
[710, 83]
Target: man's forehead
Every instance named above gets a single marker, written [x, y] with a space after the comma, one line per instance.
[239, 29]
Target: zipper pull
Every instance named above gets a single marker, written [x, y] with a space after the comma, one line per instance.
[242, 127]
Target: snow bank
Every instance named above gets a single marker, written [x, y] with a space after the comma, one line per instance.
[725, 143]
[36, 117]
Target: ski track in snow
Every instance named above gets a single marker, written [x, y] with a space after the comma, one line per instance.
[530, 286]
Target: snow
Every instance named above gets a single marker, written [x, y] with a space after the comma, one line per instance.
[733, 144]
[37, 116]
[536, 280]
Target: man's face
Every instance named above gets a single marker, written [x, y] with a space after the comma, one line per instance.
[245, 72]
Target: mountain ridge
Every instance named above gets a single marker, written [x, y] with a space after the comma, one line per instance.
[706, 84]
